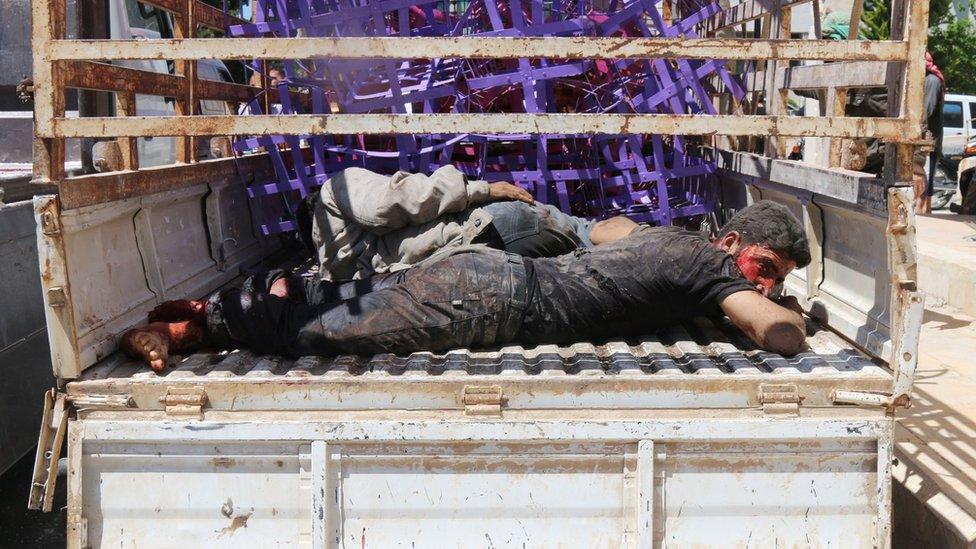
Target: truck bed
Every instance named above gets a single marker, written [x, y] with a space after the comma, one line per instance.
[700, 363]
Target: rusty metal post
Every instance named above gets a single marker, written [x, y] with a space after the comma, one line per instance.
[917, 33]
[817, 31]
[909, 19]
[905, 82]
[265, 85]
[125, 105]
[907, 305]
[855, 23]
[48, 23]
[836, 103]
[769, 21]
[185, 28]
[837, 98]
[92, 24]
[783, 32]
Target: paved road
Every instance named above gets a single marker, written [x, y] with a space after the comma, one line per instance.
[20, 527]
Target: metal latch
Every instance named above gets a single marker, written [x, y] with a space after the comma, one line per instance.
[49, 222]
[480, 400]
[57, 297]
[185, 402]
[781, 399]
[862, 398]
[49, 443]
[25, 89]
[101, 402]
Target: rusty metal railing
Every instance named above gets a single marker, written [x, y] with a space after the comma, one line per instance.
[61, 64]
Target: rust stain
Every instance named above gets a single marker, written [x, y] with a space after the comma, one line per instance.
[224, 462]
[236, 523]
[496, 464]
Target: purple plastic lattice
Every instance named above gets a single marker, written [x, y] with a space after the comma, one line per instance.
[647, 177]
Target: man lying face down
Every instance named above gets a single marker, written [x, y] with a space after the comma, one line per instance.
[478, 296]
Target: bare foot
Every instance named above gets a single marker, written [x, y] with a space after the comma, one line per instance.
[180, 309]
[153, 342]
[149, 345]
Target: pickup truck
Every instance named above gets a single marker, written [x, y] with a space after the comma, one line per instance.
[689, 436]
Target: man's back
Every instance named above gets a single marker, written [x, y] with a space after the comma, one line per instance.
[654, 277]
[366, 223]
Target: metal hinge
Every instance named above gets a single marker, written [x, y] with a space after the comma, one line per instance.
[49, 443]
[480, 400]
[185, 402]
[780, 399]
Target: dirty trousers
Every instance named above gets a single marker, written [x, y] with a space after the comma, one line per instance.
[315, 291]
[467, 300]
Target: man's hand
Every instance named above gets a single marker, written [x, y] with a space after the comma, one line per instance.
[789, 302]
[508, 191]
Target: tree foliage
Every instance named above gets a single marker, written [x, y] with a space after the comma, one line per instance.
[875, 20]
[953, 48]
[952, 41]
[234, 7]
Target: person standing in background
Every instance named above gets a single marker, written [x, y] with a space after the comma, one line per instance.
[925, 164]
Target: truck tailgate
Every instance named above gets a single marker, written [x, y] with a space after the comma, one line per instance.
[619, 444]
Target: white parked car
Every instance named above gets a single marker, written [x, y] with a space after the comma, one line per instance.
[131, 19]
[959, 126]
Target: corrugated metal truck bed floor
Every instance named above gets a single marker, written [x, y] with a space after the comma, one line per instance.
[703, 363]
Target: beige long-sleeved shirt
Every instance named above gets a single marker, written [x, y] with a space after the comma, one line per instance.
[366, 223]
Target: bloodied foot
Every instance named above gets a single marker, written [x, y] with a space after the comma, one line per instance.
[153, 343]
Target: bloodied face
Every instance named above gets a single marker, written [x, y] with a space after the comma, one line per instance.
[763, 267]
[759, 264]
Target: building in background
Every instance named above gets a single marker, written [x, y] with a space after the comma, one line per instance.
[16, 119]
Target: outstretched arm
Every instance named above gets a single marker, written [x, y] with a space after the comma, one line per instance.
[773, 327]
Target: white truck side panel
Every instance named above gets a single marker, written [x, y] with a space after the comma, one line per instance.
[732, 481]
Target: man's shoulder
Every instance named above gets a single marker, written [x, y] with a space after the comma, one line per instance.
[685, 250]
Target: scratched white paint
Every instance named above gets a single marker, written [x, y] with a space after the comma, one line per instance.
[163, 496]
[124, 257]
[714, 483]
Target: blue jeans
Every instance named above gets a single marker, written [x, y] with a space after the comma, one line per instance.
[539, 230]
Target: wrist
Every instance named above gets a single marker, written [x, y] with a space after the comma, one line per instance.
[479, 192]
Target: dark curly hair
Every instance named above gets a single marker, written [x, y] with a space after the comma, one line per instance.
[770, 224]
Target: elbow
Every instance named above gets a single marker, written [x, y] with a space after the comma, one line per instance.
[785, 338]
[611, 229]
